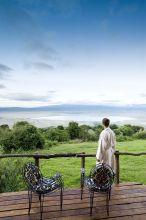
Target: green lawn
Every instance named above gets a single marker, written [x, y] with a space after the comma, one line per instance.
[131, 168]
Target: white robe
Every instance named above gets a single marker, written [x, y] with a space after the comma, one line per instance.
[106, 147]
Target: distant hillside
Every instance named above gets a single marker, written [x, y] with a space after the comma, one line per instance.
[76, 108]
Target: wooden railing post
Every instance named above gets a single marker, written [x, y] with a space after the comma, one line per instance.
[36, 160]
[83, 162]
[117, 167]
[82, 173]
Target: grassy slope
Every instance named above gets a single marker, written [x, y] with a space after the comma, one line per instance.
[132, 168]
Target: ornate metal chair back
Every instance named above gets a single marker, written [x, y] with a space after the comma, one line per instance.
[31, 174]
[102, 176]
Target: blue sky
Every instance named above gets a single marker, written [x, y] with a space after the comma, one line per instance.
[72, 51]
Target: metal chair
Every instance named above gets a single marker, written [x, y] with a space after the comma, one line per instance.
[100, 180]
[40, 185]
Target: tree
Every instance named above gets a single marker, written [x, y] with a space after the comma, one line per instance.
[27, 137]
[22, 136]
[20, 123]
[73, 130]
[4, 126]
[137, 128]
[114, 126]
[140, 135]
[83, 132]
[126, 130]
[60, 127]
[92, 135]
[98, 129]
[55, 134]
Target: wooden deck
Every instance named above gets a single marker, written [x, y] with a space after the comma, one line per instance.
[128, 202]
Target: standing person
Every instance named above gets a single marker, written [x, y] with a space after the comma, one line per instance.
[106, 146]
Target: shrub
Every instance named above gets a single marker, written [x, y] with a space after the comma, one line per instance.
[140, 135]
[11, 178]
[121, 138]
[114, 126]
[60, 127]
[83, 132]
[6, 140]
[126, 130]
[97, 133]
[129, 130]
[137, 128]
[20, 123]
[92, 135]
[24, 137]
[55, 134]
[4, 126]
[27, 137]
[49, 144]
[73, 130]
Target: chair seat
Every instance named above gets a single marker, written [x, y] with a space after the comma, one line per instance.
[46, 185]
[90, 184]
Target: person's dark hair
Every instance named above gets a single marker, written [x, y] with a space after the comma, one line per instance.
[105, 122]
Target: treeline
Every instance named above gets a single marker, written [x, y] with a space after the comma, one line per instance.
[24, 136]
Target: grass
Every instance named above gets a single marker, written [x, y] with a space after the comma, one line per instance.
[131, 168]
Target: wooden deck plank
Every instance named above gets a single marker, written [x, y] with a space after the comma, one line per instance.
[128, 202]
[117, 190]
[129, 198]
[68, 191]
[98, 202]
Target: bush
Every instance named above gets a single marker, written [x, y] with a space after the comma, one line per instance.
[6, 140]
[49, 144]
[83, 132]
[92, 135]
[97, 129]
[11, 178]
[60, 127]
[114, 126]
[129, 130]
[27, 137]
[126, 130]
[121, 138]
[137, 128]
[140, 135]
[20, 124]
[4, 126]
[73, 130]
[22, 136]
[55, 134]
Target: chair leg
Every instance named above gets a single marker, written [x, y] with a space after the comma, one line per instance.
[91, 201]
[61, 197]
[82, 191]
[109, 194]
[107, 202]
[30, 200]
[41, 198]
[82, 184]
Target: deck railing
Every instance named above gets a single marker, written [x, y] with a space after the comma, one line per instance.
[38, 156]
[117, 161]
[82, 155]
